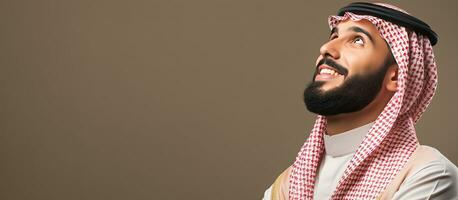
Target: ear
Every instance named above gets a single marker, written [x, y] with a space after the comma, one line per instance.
[391, 78]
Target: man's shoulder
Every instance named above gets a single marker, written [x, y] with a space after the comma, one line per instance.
[433, 155]
[280, 188]
[430, 157]
[432, 175]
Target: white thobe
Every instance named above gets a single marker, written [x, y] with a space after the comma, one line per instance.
[437, 179]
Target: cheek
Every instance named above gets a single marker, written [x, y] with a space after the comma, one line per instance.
[360, 62]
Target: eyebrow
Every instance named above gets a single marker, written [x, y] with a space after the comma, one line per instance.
[355, 29]
[360, 30]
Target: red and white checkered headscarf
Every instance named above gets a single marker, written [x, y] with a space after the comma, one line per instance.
[391, 140]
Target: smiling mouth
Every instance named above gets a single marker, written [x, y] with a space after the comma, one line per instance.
[326, 73]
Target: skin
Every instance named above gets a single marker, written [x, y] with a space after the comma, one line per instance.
[358, 46]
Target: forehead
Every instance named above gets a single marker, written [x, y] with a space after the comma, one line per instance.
[363, 23]
[349, 26]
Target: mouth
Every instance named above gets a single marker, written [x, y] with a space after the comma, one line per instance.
[326, 73]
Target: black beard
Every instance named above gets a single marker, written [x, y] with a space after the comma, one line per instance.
[353, 95]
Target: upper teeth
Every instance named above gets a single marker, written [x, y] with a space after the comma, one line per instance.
[328, 71]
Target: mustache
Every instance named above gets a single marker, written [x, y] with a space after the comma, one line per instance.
[331, 63]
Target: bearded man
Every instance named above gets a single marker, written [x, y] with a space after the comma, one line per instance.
[374, 79]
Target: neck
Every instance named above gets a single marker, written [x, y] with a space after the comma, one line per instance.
[344, 122]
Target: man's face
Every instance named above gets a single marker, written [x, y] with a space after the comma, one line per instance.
[350, 69]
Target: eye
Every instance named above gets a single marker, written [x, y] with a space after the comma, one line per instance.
[359, 41]
[333, 36]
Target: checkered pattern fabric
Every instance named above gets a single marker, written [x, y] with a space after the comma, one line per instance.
[392, 139]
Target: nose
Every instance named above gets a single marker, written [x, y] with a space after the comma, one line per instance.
[330, 49]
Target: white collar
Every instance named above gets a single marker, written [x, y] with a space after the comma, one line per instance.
[347, 142]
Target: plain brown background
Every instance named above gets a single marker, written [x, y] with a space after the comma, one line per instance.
[173, 99]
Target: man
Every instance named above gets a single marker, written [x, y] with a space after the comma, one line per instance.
[374, 78]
